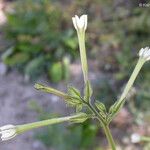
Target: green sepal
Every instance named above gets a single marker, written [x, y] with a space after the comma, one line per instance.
[80, 118]
[73, 92]
[114, 109]
[74, 98]
[79, 108]
[72, 102]
[100, 106]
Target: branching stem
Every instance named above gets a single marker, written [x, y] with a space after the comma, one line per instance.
[104, 126]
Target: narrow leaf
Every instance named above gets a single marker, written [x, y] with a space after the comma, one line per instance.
[79, 108]
[100, 106]
[72, 91]
[114, 109]
[80, 118]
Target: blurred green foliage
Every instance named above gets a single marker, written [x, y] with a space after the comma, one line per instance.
[66, 137]
[81, 136]
[38, 38]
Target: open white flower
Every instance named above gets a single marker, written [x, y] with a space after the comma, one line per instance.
[80, 23]
[145, 53]
[8, 132]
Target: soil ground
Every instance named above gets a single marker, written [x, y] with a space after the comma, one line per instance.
[14, 109]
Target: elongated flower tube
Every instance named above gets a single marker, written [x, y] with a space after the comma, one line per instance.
[145, 53]
[8, 132]
[80, 25]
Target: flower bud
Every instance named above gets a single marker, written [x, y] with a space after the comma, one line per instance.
[145, 53]
[80, 24]
[8, 132]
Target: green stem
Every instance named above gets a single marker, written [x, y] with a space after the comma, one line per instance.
[145, 139]
[109, 137]
[90, 106]
[104, 126]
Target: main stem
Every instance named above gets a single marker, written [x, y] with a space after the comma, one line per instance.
[81, 38]
[104, 126]
[109, 137]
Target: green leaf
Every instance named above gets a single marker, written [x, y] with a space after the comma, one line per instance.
[73, 92]
[16, 59]
[88, 91]
[114, 109]
[74, 98]
[55, 72]
[100, 106]
[72, 102]
[79, 107]
[35, 67]
[80, 118]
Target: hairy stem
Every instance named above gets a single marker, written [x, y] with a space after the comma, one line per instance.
[93, 110]
[145, 139]
[109, 137]
[104, 126]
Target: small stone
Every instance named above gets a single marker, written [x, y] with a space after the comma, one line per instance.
[54, 99]
[126, 140]
[37, 145]
[3, 69]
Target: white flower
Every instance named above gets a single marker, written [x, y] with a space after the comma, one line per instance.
[135, 138]
[80, 23]
[145, 53]
[8, 132]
